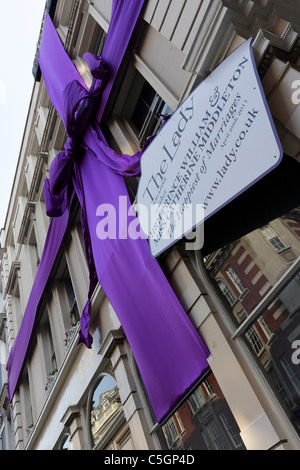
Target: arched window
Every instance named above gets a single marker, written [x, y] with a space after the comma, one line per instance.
[105, 406]
[66, 442]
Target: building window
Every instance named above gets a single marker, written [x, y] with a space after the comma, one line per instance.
[291, 373]
[227, 292]
[66, 442]
[26, 403]
[231, 430]
[105, 408]
[197, 400]
[282, 389]
[208, 387]
[216, 436]
[33, 252]
[254, 340]
[98, 40]
[48, 350]
[274, 353]
[196, 425]
[144, 109]
[171, 432]
[73, 312]
[273, 238]
[268, 320]
[267, 330]
[235, 279]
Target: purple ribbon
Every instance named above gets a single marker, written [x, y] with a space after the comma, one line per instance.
[170, 354]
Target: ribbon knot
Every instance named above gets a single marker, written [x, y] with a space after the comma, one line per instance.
[79, 108]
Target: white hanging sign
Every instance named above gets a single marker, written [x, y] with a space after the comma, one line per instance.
[220, 141]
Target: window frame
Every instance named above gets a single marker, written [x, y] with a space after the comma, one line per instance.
[236, 281]
[270, 234]
[154, 108]
[118, 421]
[119, 128]
[226, 292]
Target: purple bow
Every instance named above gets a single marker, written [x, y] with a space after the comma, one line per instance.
[168, 350]
[80, 106]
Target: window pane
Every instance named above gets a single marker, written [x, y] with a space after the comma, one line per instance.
[273, 238]
[226, 291]
[143, 106]
[279, 354]
[144, 109]
[203, 422]
[235, 279]
[274, 334]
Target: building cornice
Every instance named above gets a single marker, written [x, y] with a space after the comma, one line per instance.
[271, 52]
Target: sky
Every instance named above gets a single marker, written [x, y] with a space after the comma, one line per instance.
[20, 22]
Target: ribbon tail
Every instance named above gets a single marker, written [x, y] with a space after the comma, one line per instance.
[55, 204]
[84, 335]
